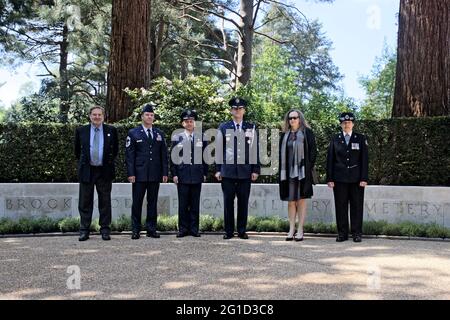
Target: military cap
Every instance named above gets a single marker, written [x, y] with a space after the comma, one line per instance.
[237, 103]
[189, 115]
[148, 107]
[347, 116]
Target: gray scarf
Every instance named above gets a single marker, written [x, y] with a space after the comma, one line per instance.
[298, 170]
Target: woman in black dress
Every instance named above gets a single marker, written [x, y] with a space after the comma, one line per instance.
[297, 156]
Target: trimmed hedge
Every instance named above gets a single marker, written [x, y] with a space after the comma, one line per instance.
[404, 151]
[212, 224]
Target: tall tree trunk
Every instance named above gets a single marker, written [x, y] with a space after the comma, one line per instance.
[244, 63]
[423, 68]
[64, 105]
[158, 48]
[129, 65]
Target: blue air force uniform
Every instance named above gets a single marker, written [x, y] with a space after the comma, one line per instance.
[147, 160]
[347, 166]
[190, 168]
[236, 164]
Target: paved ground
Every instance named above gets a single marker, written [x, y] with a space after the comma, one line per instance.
[264, 267]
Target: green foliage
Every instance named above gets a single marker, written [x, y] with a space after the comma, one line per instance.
[69, 224]
[2, 113]
[208, 223]
[320, 227]
[397, 156]
[167, 223]
[218, 224]
[308, 48]
[172, 97]
[374, 227]
[123, 223]
[437, 231]
[34, 33]
[379, 87]
[273, 90]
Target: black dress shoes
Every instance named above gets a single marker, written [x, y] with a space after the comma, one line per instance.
[181, 234]
[341, 238]
[357, 238]
[83, 236]
[290, 239]
[195, 234]
[153, 234]
[243, 236]
[228, 236]
[135, 235]
[106, 236]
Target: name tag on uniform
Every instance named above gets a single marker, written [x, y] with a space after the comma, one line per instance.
[137, 141]
[355, 146]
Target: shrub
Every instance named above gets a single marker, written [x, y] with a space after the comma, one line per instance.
[210, 223]
[167, 223]
[374, 227]
[396, 156]
[206, 223]
[123, 223]
[437, 231]
[218, 224]
[70, 224]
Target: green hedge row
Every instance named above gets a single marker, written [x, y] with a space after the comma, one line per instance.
[213, 224]
[401, 151]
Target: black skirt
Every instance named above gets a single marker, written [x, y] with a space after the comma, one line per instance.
[295, 187]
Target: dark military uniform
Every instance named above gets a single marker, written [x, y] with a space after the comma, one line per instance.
[190, 172]
[240, 161]
[146, 159]
[347, 166]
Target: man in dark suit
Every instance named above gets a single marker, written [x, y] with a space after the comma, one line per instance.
[347, 174]
[238, 166]
[96, 148]
[189, 170]
[147, 166]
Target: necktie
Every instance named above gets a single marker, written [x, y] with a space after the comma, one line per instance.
[96, 147]
[149, 134]
[347, 139]
[238, 127]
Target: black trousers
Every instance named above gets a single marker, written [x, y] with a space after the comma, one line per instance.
[233, 188]
[189, 207]
[86, 201]
[139, 189]
[345, 194]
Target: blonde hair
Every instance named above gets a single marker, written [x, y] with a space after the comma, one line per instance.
[303, 123]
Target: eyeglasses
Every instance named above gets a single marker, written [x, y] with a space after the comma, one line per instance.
[293, 118]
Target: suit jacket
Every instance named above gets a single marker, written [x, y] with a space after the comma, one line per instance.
[83, 154]
[231, 168]
[348, 163]
[189, 172]
[146, 158]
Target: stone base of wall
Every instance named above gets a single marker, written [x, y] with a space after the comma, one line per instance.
[393, 204]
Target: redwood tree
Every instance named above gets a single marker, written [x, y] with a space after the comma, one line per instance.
[423, 64]
[130, 59]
